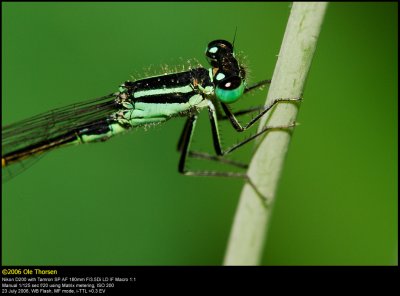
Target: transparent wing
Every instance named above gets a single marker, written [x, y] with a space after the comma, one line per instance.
[9, 172]
[28, 132]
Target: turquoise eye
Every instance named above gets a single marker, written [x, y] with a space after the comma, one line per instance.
[230, 90]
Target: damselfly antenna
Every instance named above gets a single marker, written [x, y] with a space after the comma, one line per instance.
[234, 38]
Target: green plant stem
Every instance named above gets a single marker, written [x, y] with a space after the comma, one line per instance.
[249, 230]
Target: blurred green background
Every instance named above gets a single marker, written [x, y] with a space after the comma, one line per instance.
[124, 203]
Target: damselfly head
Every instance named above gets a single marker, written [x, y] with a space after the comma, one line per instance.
[228, 75]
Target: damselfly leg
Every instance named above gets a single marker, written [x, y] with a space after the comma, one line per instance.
[220, 116]
[186, 136]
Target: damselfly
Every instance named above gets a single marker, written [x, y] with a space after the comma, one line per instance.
[145, 102]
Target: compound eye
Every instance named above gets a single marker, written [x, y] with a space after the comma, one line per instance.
[229, 90]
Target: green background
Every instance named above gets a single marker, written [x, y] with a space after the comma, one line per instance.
[123, 202]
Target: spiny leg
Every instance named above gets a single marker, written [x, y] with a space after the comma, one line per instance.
[215, 115]
[265, 129]
[215, 132]
[188, 133]
[243, 112]
[189, 129]
[203, 155]
[186, 138]
[184, 141]
[257, 85]
[239, 127]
